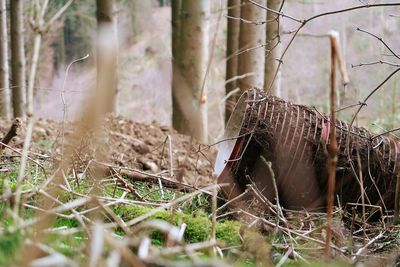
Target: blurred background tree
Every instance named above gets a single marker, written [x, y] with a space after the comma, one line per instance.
[5, 102]
[191, 55]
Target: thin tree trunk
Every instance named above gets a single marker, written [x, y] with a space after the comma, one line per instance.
[18, 71]
[273, 50]
[252, 37]
[107, 29]
[177, 113]
[232, 48]
[192, 62]
[133, 13]
[4, 70]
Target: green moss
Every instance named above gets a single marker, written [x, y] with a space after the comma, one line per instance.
[129, 212]
[198, 225]
[228, 231]
[198, 228]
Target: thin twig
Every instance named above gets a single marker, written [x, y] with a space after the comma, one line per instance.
[171, 159]
[63, 91]
[381, 40]
[274, 184]
[364, 248]
[214, 210]
[280, 13]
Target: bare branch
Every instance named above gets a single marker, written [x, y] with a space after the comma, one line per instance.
[381, 40]
[280, 13]
[350, 9]
[59, 13]
[375, 63]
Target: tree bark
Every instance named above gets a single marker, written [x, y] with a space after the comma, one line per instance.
[252, 37]
[177, 113]
[4, 69]
[191, 64]
[107, 50]
[273, 50]
[232, 48]
[18, 71]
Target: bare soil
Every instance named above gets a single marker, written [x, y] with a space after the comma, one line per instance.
[127, 144]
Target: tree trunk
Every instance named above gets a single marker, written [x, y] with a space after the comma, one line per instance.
[252, 37]
[191, 63]
[107, 50]
[4, 70]
[177, 113]
[273, 50]
[232, 48]
[18, 71]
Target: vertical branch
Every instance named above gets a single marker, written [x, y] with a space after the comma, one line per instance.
[332, 148]
[32, 73]
[341, 65]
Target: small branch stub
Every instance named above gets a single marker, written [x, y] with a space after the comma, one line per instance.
[14, 130]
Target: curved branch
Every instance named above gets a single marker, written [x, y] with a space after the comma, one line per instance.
[381, 40]
[361, 106]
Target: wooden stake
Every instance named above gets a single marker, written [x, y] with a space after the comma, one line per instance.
[332, 149]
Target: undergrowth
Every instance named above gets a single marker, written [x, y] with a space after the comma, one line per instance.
[239, 244]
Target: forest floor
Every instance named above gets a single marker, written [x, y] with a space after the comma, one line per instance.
[131, 144]
[142, 193]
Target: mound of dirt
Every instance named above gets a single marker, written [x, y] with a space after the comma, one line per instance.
[127, 144]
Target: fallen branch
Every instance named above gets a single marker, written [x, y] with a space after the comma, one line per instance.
[141, 176]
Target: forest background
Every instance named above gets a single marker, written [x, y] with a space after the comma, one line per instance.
[145, 68]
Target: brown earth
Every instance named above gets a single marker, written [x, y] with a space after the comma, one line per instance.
[126, 144]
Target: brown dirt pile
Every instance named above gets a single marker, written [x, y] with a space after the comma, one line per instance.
[125, 143]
